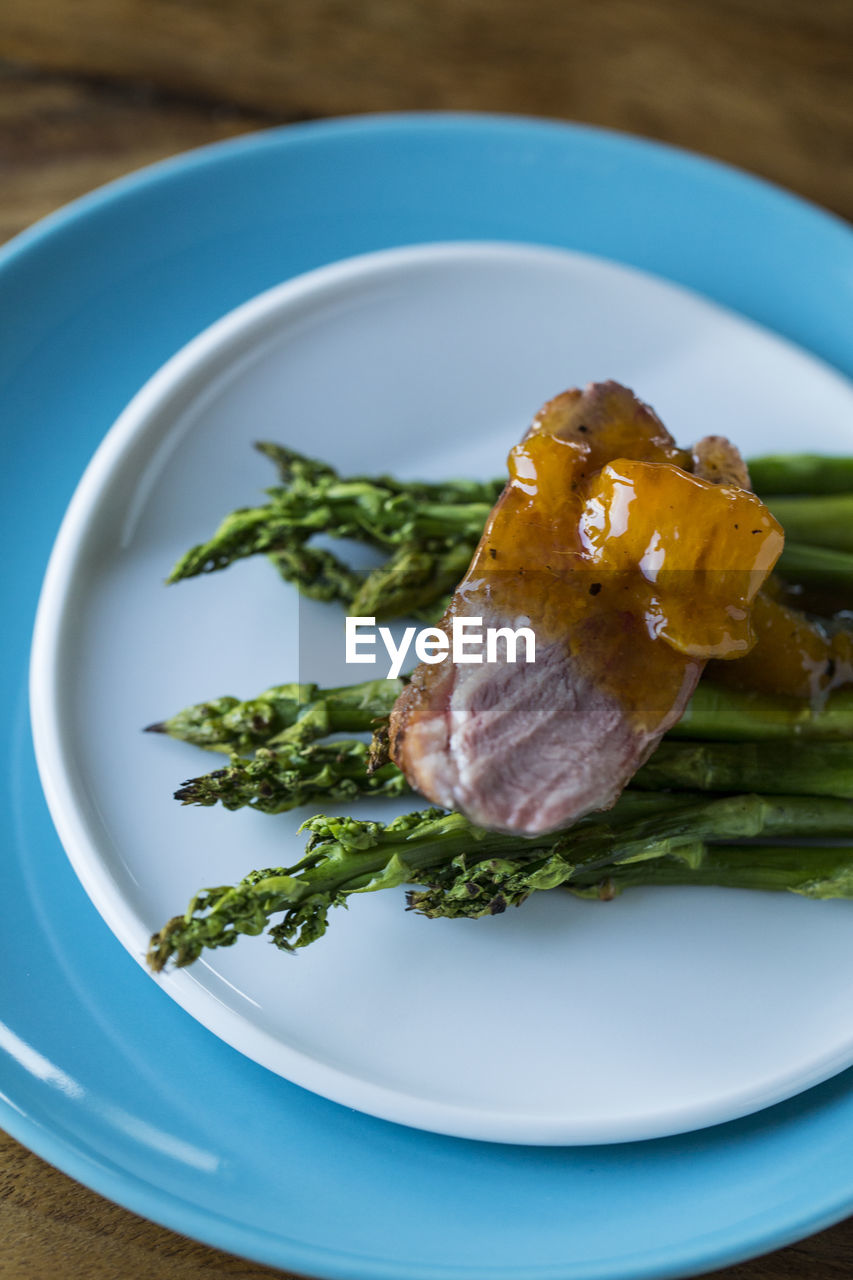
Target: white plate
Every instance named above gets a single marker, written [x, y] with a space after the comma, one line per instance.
[563, 1022]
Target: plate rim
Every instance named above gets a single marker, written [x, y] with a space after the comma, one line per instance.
[163, 398]
[67, 1153]
[355, 125]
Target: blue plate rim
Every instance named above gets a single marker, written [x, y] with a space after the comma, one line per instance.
[30, 237]
[127, 1188]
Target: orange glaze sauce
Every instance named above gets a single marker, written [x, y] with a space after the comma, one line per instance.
[792, 655]
[702, 551]
[641, 570]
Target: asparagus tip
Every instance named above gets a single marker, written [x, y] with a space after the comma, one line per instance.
[379, 752]
[160, 946]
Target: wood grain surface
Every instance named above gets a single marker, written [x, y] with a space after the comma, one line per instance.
[763, 83]
[92, 89]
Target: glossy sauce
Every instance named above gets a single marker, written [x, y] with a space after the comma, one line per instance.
[608, 547]
[793, 655]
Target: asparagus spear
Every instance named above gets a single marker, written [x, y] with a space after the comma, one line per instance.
[481, 887]
[296, 471]
[800, 562]
[361, 509]
[275, 781]
[344, 856]
[425, 524]
[278, 780]
[814, 871]
[289, 714]
[825, 521]
[290, 768]
[732, 715]
[285, 715]
[801, 473]
[469, 871]
[776, 768]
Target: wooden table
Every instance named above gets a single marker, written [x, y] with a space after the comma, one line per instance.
[94, 89]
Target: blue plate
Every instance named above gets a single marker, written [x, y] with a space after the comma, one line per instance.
[102, 1073]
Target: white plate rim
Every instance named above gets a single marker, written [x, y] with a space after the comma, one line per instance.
[192, 367]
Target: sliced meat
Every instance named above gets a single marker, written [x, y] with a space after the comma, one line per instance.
[630, 572]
